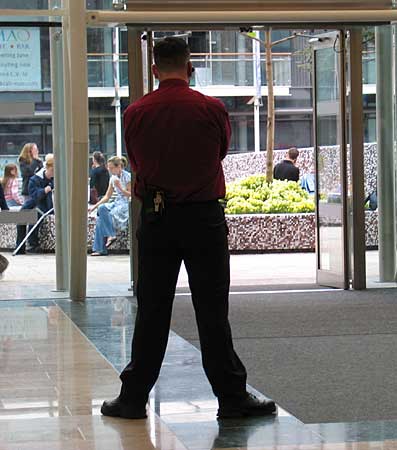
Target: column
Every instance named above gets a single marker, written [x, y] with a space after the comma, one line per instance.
[356, 122]
[136, 90]
[77, 111]
[61, 193]
[384, 127]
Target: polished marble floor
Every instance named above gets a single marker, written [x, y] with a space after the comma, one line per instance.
[59, 360]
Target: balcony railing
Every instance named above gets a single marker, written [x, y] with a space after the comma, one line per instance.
[230, 69]
[216, 69]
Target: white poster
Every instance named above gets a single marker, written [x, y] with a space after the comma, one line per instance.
[20, 65]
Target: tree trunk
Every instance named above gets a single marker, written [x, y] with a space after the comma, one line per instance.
[270, 108]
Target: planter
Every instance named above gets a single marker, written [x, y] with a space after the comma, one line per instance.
[247, 233]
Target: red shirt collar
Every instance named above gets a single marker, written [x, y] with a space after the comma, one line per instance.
[172, 82]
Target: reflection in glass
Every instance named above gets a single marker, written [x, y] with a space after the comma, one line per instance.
[330, 202]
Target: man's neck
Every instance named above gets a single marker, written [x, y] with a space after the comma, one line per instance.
[174, 76]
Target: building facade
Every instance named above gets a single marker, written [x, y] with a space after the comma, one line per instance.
[227, 66]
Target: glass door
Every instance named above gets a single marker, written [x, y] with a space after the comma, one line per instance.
[330, 160]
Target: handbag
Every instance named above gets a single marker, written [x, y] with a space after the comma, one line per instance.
[93, 196]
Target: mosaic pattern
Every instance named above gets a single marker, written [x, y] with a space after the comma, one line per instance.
[266, 232]
[242, 165]
[247, 232]
[371, 228]
[284, 232]
[8, 236]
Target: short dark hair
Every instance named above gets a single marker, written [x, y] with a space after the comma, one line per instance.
[171, 53]
[293, 153]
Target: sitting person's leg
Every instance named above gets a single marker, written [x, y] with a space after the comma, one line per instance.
[103, 229]
[21, 234]
[34, 237]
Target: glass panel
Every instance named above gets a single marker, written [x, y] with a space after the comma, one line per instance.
[24, 4]
[25, 84]
[99, 4]
[330, 201]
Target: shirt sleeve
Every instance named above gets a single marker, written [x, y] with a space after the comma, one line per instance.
[226, 136]
[35, 190]
[26, 169]
[15, 192]
[127, 177]
[93, 178]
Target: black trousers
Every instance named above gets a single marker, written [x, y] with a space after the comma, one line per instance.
[33, 238]
[195, 233]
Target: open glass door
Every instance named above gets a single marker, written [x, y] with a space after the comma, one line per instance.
[330, 160]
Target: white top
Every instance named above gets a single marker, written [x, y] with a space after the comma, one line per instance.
[125, 179]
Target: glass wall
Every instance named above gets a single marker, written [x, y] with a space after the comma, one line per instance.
[24, 4]
[224, 63]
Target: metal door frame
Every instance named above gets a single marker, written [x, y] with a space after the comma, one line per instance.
[326, 41]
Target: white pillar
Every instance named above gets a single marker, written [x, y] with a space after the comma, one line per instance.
[77, 110]
[60, 150]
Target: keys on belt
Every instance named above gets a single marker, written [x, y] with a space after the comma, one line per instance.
[158, 202]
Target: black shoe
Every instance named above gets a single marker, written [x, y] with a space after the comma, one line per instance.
[245, 406]
[117, 408]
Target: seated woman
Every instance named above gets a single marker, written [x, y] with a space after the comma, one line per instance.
[11, 186]
[112, 216]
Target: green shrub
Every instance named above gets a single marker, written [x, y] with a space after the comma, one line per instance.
[253, 195]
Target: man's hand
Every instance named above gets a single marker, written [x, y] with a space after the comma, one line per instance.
[47, 189]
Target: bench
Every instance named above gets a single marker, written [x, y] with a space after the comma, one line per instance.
[21, 217]
[47, 236]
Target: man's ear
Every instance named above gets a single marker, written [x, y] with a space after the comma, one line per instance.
[190, 69]
[155, 71]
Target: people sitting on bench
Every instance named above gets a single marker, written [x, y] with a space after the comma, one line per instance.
[40, 189]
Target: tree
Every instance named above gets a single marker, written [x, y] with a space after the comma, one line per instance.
[268, 45]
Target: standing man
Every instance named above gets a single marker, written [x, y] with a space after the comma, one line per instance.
[176, 139]
[286, 169]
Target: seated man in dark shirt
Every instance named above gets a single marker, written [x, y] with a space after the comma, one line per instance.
[286, 169]
[40, 186]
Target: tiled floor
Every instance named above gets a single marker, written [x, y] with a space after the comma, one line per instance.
[59, 361]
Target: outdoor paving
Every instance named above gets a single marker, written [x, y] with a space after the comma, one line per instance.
[33, 276]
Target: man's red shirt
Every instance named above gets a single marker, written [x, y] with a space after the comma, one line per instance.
[176, 139]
